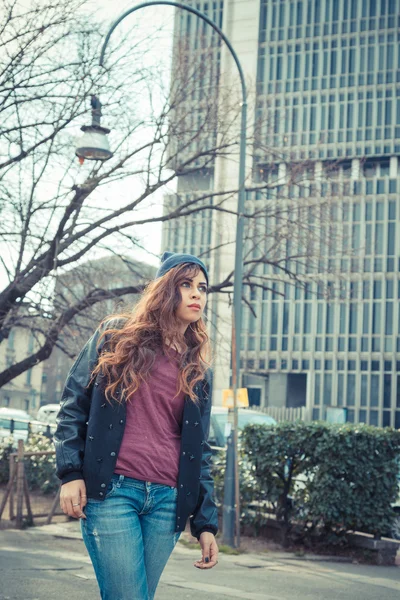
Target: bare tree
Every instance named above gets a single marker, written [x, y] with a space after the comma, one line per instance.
[50, 222]
[55, 213]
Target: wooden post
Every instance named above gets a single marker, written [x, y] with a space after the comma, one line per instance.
[20, 483]
[53, 507]
[28, 500]
[12, 476]
[8, 490]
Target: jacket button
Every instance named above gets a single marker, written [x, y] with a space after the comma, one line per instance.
[97, 383]
[177, 527]
[121, 421]
[183, 453]
[186, 422]
[101, 494]
[191, 457]
[110, 426]
[91, 438]
[196, 424]
[103, 485]
[99, 459]
[87, 423]
[179, 518]
[112, 454]
[181, 485]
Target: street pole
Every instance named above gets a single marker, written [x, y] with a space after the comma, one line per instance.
[232, 497]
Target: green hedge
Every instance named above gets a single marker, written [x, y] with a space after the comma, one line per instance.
[331, 477]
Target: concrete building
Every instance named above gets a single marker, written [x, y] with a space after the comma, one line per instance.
[23, 392]
[324, 89]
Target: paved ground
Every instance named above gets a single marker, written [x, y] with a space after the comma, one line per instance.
[36, 565]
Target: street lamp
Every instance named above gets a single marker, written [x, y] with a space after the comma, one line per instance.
[95, 147]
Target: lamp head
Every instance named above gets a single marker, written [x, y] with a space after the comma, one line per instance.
[93, 145]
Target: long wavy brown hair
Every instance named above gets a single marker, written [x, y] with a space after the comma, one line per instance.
[133, 339]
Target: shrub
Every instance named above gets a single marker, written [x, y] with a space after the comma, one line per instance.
[40, 470]
[356, 481]
[326, 476]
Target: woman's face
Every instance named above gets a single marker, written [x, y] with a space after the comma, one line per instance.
[193, 292]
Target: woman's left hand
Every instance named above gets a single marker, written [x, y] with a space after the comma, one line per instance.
[209, 551]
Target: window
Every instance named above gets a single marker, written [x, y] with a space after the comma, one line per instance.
[11, 339]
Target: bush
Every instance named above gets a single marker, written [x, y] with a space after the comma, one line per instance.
[326, 476]
[356, 481]
[40, 470]
[252, 497]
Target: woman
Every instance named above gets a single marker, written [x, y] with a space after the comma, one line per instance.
[131, 442]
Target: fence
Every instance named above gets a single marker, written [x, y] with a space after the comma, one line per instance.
[32, 491]
[283, 413]
[22, 429]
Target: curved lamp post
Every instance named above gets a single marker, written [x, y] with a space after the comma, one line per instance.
[94, 146]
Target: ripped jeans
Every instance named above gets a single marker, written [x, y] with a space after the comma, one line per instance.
[130, 536]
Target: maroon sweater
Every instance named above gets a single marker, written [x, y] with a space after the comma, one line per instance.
[151, 441]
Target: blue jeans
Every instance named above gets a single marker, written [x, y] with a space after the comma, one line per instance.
[130, 536]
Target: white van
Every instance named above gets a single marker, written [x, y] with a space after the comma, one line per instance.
[48, 413]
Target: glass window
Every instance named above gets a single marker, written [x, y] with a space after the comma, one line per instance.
[364, 390]
[379, 238]
[387, 390]
[376, 317]
[274, 317]
[307, 317]
[327, 399]
[374, 390]
[353, 317]
[389, 318]
[351, 390]
[390, 289]
[317, 389]
[330, 318]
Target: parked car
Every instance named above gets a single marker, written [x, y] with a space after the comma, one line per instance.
[21, 423]
[219, 428]
[48, 413]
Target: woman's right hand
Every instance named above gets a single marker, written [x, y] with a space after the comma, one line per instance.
[73, 498]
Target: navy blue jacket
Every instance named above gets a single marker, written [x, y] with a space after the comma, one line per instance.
[89, 435]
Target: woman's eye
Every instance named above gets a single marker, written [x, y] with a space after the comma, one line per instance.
[203, 289]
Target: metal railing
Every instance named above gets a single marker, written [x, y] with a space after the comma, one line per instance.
[23, 429]
[284, 413]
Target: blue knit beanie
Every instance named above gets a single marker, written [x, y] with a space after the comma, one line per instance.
[169, 260]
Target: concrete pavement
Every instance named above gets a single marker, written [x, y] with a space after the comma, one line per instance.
[50, 562]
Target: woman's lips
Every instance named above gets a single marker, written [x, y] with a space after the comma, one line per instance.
[193, 307]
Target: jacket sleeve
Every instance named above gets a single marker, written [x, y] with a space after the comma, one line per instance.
[69, 438]
[205, 515]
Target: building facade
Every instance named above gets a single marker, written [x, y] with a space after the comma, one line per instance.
[23, 392]
[324, 77]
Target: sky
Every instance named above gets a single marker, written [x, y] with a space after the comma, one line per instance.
[153, 23]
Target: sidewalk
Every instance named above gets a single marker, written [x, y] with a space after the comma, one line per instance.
[38, 560]
[71, 530]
